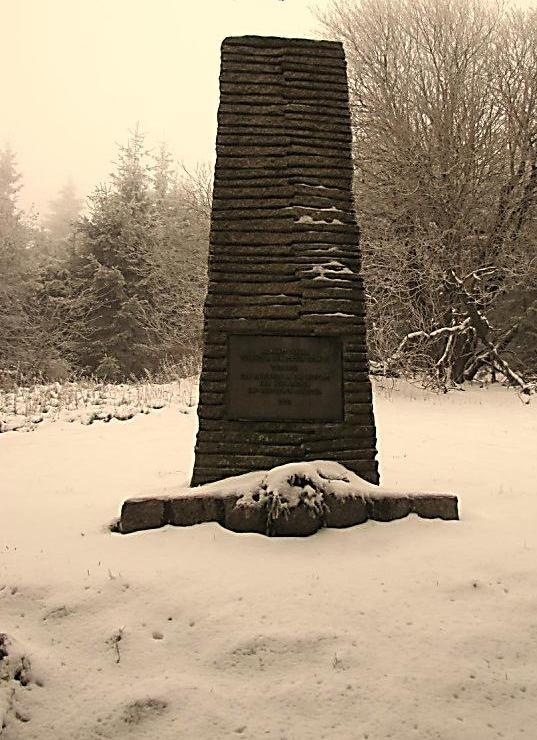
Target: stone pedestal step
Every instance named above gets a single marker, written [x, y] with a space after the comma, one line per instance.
[194, 507]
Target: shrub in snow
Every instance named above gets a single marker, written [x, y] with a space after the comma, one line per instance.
[108, 369]
[87, 401]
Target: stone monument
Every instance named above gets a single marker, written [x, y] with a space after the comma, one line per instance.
[285, 373]
[285, 411]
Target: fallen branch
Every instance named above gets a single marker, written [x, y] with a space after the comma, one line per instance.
[435, 334]
[482, 328]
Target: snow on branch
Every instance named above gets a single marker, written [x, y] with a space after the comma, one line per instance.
[435, 334]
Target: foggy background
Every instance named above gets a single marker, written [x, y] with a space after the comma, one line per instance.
[78, 74]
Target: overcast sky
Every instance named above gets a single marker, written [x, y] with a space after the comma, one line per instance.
[78, 74]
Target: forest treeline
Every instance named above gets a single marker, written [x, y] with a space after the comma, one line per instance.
[444, 106]
[115, 292]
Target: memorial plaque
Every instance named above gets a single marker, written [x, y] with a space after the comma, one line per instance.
[284, 378]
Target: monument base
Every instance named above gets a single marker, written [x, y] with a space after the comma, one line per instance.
[294, 500]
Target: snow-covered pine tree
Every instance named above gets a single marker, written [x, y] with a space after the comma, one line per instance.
[21, 345]
[113, 329]
[63, 214]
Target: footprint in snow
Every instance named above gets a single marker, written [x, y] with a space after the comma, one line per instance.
[142, 709]
[58, 612]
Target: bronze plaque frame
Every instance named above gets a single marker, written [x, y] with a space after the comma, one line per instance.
[284, 378]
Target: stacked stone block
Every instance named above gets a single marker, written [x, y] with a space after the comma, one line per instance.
[284, 256]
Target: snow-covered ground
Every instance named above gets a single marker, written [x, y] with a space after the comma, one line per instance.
[410, 629]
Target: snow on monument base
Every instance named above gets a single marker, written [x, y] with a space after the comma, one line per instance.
[293, 500]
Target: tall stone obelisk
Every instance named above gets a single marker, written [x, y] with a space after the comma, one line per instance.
[285, 371]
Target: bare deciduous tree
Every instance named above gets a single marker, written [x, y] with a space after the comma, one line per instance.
[444, 102]
[196, 186]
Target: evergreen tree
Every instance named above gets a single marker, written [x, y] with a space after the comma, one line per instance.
[113, 325]
[21, 345]
[10, 184]
[64, 212]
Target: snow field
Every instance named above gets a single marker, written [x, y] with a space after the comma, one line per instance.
[409, 629]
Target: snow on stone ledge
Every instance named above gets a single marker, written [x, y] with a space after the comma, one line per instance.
[295, 499]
